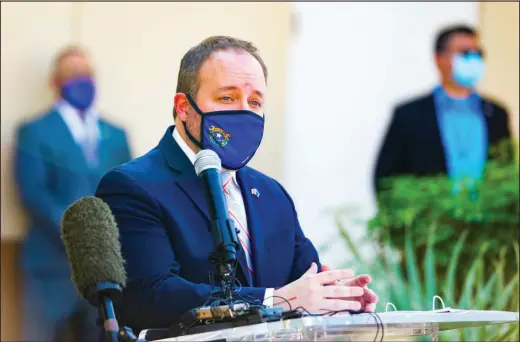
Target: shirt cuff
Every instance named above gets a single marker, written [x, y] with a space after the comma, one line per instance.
[268, 297]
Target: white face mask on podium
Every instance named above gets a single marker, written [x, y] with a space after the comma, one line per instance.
[443, 309]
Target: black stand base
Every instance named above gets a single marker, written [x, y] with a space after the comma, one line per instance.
[192, 323]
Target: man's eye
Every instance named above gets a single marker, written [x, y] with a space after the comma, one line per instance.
[256, 103]
[226, 98]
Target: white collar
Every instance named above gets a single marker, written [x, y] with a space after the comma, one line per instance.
[80, 129]
[192, 155]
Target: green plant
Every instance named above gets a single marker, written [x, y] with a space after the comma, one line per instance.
[481, 290]
[488, 210]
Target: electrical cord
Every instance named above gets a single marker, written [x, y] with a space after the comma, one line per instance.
[377, 318]
[215, 301]
[282, 298]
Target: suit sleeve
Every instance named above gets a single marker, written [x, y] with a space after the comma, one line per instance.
[31, 176]
[155, 294]
[390, 160]
[304, 251]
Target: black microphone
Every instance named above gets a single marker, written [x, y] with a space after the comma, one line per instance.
[207, 167]
[91, 238]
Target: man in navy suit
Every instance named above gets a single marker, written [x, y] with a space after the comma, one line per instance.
[61, 156]
[448, 131]
[159, 205]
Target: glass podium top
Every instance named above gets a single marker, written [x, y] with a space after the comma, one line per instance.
[394, 325]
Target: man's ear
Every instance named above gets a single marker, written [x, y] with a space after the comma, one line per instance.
[53, 82]
[181, 104]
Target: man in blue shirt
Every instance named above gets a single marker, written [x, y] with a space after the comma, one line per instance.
[448, 131]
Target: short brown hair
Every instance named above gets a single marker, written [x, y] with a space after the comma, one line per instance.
[188, 79]
[69, 50]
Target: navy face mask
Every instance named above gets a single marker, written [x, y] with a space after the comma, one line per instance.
[79, 92]
[234, 135]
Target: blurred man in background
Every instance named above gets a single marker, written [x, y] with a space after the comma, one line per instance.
[61, 155]
[449, 130]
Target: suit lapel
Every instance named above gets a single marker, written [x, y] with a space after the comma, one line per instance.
[104, 147]
[190, 184]
[64, 135]
[254, 224]
[432, 124]
[487, 111]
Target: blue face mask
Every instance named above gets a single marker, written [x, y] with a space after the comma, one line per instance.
[79, 92]
[467, 69]
[234, 135]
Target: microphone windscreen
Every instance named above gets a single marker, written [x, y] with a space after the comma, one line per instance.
[206, 159]
[91, 237]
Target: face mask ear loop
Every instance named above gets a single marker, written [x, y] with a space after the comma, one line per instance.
[191, 137]
[194, 105]
[197, 109]
[390, 304]
[440, 299]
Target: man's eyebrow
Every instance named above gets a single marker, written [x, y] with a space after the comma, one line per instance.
[228, 88]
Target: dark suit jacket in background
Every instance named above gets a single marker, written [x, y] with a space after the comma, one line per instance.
[412, 144]
[163, 218]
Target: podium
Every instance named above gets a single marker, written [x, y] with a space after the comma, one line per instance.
[386, 326]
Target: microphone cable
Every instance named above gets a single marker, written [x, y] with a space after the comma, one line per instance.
[378, 321]
[215, 302]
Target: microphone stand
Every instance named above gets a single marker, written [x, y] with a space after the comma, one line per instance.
[103, 295]
[224, 257]
[224, 236]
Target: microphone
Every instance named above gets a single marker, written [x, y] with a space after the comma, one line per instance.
[207, 167]
[91, 238]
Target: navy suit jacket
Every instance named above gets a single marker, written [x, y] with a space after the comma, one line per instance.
[159, 206]
[413, 146]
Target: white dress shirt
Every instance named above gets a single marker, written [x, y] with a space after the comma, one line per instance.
[82, 131]
[234, 191]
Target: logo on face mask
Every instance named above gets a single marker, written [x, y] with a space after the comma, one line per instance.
[218, 136]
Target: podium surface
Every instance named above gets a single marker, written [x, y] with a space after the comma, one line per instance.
[387, 326]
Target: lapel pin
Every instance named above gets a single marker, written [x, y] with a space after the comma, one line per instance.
[255, 192]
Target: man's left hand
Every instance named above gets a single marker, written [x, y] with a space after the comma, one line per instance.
[368, 299]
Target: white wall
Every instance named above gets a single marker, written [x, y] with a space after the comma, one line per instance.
[349, 64]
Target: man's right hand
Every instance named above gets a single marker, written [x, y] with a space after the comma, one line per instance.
[309, 292]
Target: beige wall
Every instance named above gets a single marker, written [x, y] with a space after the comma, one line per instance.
[27, 48]
[136, 49]
[500, 38]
